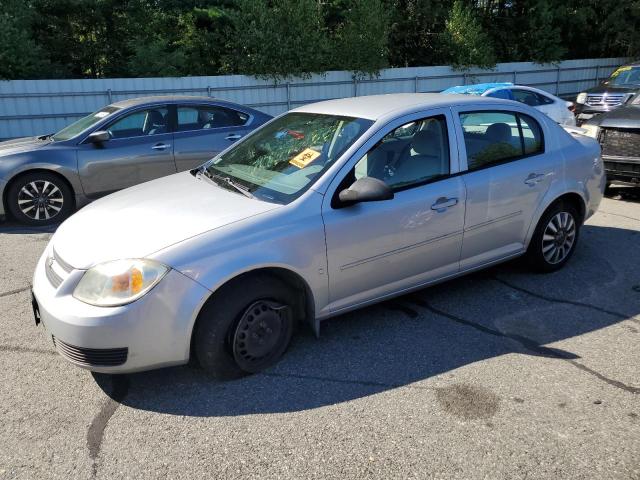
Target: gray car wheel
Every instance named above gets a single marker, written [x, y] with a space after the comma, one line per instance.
[39, 198]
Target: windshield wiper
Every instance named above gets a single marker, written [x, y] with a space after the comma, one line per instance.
[46, 137]
[225, 181]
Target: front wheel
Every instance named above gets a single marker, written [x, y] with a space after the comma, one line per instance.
[554, 239]
[245, 327]
[39, 198]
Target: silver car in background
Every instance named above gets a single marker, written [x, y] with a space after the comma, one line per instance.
[325, 209]
[43, 179]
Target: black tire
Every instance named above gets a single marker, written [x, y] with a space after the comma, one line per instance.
[536, 257]
[40, 194]
[218, 335]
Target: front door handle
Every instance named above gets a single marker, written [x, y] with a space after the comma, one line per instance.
[233, 137]
[160, 146]
[533, 179]
[443, 203]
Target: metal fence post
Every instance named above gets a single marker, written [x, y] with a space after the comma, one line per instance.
[109, 96]
[208, 90]
[416, 85]
[288, 96]
[558, 80]
[597, 74]
[355, 86]
[464, 78]
[515, 77]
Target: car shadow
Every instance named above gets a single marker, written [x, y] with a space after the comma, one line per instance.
[13, 227]
[623, 192]
[500, 311]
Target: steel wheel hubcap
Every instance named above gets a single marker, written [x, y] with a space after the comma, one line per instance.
[558, 238]
[40, 200]
[259, 333]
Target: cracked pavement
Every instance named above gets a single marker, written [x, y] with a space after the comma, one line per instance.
[501, 374]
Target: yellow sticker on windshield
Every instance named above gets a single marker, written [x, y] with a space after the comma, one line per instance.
[620, 70]
[304, 158]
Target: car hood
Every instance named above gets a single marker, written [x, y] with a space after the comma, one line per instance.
[622, 117]
[141, 220]
[19, 145]
[608, 89]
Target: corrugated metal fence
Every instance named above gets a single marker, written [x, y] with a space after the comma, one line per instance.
[33, 107]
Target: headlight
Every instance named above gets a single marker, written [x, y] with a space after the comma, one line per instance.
[591, 130]
[116, 283]
[581, 98]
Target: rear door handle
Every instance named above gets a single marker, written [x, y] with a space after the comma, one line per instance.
[161, 146]
[443, 203]
[534, 178]
[233, 137]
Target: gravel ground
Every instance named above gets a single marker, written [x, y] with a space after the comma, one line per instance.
[502, 374]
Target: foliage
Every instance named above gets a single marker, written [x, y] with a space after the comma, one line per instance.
[20, 56]
[278, 39]
[468, 43]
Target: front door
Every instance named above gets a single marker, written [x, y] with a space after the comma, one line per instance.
[140, 149]
[380, 248]
[508, 174]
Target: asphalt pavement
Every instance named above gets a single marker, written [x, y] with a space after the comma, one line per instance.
[502, 374]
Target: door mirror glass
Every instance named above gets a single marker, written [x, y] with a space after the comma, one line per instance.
[366, 189]
[100, 136]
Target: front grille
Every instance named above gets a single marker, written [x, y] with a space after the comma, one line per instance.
[92, 357]
[620, 142]
[605, 100]
[56, 269]
[623, 168]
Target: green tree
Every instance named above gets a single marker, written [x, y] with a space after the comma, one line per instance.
[360, 42]
[20, 56]
[279, 39]
[468, 43]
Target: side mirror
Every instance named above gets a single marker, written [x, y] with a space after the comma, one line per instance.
[98, 137]
[366, 189]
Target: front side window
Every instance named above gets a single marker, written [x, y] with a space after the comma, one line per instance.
[84, 123]
[206, 117]
[410, 155]
[279, 161]
[496, 137]
[151, 121]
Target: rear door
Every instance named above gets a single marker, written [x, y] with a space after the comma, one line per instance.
[140, 149]
[203, 131]
[509, 168]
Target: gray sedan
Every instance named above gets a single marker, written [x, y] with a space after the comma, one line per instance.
[325, 209]
[43, 179]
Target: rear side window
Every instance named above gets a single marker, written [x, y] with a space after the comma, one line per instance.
[530, 98]
[203, 117]
[496, 137]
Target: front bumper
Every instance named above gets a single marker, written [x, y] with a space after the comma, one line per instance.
[152, 332]
[621, 169]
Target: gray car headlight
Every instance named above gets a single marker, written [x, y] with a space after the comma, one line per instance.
[119, 282]
[582, 97]
[591, 130]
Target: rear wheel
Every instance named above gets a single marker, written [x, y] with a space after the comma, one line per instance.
[39, 198]
[554, 239]
[245, 327]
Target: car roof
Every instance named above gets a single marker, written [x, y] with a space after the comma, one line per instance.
[373, 107]
[477, 88]
[134, 102]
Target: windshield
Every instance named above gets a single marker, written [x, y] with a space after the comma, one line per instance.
[624, 76]
[282, 159]
[81, 125]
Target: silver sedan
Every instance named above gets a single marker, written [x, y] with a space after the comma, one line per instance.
[325, 209]
[42, 179]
